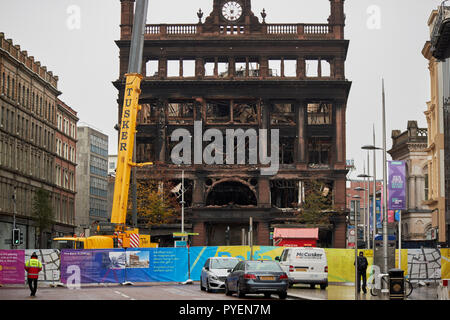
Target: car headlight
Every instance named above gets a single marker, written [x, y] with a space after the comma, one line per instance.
[213, 277]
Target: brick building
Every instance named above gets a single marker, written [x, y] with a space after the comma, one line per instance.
[411, 146]
[28, 130]
[65, 162]
[436, 51]
[234, 71]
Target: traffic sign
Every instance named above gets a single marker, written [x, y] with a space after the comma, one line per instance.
[180, 244]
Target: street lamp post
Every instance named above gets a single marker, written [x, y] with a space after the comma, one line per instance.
[356, 251]
[374, 191]
[385, 232]
[366, 189]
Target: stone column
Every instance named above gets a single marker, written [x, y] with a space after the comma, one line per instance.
[198, 193]
[337, 18]
[263, 234]
[126, 18]
[340, 145]
[301, 132]
[200, 228]
[161, 129]
[264, 200]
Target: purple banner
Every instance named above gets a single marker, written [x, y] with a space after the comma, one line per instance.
[397, 186]
[12, 266]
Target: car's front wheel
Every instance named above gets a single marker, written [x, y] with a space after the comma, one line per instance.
[201, 285]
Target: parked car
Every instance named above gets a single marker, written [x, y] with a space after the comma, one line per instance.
[261, 276]
[305, 265]
[215, 271]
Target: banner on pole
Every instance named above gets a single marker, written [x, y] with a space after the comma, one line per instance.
[397, 185]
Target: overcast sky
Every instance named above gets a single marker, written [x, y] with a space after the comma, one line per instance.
[386, 40]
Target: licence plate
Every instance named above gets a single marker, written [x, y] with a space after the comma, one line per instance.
[267, 278]
[301, 269]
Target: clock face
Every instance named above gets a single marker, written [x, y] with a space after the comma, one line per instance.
[232, 10]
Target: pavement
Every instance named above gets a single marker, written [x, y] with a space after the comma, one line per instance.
[347, 292]
[298, 291]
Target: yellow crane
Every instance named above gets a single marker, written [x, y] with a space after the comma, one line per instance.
[117, 233]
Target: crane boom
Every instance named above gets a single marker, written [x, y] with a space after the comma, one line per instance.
[129, 115]
[127, 136]
[125, 148]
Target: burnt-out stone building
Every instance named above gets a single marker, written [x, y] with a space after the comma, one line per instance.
[229, 71]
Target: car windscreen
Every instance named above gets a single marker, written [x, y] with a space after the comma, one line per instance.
[263, 266]
[223, 263]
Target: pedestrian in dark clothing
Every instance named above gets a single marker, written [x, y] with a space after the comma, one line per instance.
[33, 267]
[362, 270]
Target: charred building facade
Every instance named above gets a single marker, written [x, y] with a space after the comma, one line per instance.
[234, 71]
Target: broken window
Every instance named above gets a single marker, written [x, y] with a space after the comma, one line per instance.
[319, 150]
[254, 69]
[282, 113]
[218, 111]
[180, 113]
[287, 150]
[245, 112]
[231, 193]
[151, 68]
[312, 68]
[223, 69]
[173, 68]
[188, 68]
[145, 152]
[317, 68]
[209, 68]
[275, 68]
[290, 68]
[325, 68]
[241, 69]
[216, 67]
[320, 113]
[284, 193]
[147, 114]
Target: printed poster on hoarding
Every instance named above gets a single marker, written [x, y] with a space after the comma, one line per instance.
[12, 263]
[93, 266]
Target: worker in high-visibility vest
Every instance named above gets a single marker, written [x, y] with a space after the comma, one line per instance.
[33, 267]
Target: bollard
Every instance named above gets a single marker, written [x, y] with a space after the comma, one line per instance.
[396, 284]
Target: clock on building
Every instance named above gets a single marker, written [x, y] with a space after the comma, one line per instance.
[232, 10]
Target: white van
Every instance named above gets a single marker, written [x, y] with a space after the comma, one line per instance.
[305, 265]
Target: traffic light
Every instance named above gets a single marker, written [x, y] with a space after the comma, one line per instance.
[21, 237]
[16, 237]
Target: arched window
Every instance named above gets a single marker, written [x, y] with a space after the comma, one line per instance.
[231, 193]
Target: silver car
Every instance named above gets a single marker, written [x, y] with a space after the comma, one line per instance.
[215, 272]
